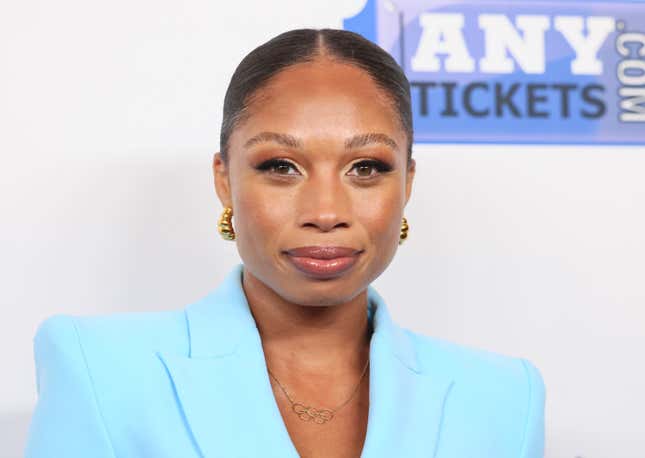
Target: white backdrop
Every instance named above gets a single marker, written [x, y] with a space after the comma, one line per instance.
[110, 114]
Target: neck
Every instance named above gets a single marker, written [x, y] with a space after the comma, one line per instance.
[330, 339]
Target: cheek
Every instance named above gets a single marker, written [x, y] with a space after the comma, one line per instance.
[260, 214]
[380, 214]
[380, 218]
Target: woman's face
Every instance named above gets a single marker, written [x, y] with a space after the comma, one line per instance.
[320, 162]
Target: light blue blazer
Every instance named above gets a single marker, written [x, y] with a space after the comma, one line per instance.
[193, 383]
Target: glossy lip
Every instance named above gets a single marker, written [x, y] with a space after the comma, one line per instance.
[323, 261]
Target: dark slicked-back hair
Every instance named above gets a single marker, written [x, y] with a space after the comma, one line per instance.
[305, 45]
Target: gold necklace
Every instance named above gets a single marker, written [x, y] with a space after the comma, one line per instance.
[308, 413]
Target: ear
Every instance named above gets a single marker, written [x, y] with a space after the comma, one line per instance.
[222, 182]
[409, 179]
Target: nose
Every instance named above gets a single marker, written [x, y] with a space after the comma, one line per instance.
[324, 203]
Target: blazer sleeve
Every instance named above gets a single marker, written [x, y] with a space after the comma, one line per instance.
[67, 421]
[533, 443]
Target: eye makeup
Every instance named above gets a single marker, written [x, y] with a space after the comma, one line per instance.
[275, 164]
[284, 167]
[374, 164]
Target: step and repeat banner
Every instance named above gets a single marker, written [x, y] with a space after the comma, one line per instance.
[536, 72]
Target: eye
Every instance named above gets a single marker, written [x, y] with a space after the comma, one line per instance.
[369, 168]
[278, 166]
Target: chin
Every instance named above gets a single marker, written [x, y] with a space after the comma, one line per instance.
[322, 293]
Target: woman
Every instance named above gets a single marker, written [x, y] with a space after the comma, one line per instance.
[294, 354]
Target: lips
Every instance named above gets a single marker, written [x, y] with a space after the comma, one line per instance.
[323, 261]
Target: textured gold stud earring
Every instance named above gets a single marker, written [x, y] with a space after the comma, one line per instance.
[225, 226]
[404, 230]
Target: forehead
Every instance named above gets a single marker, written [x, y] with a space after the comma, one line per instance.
[321, 100]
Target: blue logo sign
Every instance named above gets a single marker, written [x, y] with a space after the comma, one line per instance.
[517, 72]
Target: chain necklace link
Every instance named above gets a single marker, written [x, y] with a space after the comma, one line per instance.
[317, 415]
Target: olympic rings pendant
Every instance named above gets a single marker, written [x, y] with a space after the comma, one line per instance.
[306, 413]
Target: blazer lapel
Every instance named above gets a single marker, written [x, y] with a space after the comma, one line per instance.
[222, 385]
[406, 399]
[225, 394]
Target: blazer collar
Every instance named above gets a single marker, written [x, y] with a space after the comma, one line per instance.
[224, 392]
[222, 320]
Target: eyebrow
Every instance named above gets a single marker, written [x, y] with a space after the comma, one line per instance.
[360, 140]
[357, 141]
[282, 139]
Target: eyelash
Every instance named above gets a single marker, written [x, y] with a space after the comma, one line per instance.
[271, 164]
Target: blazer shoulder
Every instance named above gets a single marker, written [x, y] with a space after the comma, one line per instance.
[500, 395]
[92, 369]
[123, 335]
[471, 365]
[463, 360]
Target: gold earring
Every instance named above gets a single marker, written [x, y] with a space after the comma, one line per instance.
[225, 226]
[404, 230]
